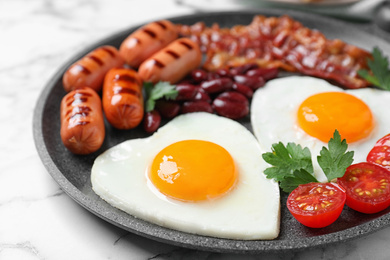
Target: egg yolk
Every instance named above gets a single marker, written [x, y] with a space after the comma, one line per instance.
[193, 170]
[320, 114]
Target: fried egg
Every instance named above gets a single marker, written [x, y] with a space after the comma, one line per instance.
[200, 173]
[307, 110]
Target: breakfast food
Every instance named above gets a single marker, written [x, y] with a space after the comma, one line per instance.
[146, 41]
[380, 153]
[90, 70]
[172, 63]
[274, 115]
[316, 205]
[279, 42]
[367, 187]
[204, 173]
[226, 92]
[122, 98]
[82, 123]
[243, 203]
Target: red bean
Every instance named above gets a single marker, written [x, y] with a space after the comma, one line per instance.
[186, 91]
[254, 82]
[243, 89]
[196, 106]
[223, 73]
[199, 75]
[265, 73]
[231, 105]
[202, 95]
[212, 75]
[152, 121]
[239, 70]
[216, 85]
[167, 109]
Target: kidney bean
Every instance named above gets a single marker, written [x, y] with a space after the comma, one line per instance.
[167, 109]
[265, 73]
[152, 121]
[223, 73]
[213, 75]
[239, 70]
[243, 89]
[231, 104]
[216, 85]
[196, 106]
[186, 91]
[199, 75]
[254, 82]
[202, 95]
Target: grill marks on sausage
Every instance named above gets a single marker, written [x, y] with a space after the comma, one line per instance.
[109, 51]
[87, 71]
[173, 54]
[121, 90]
[126, 90]
[77, 111]
[82, 69]
[158, 63]
[150, 33]
[161, 24]
[187, 45]
[125, 77]
[95, 59]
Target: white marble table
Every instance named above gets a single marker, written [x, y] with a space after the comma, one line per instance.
[37, 219]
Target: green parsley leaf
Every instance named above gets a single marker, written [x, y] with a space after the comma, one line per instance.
[287, 159]
[380, 73]
[292, 165]
[161, 89]
[335, 161]
[289, 183]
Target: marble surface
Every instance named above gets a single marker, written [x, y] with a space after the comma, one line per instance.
[39, 221]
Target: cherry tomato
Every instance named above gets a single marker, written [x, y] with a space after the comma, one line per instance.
[367, 186]
[380, 154]
[315, 204]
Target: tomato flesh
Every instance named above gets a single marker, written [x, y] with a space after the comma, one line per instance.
[316, 205]
[367, 187]
[380, 153]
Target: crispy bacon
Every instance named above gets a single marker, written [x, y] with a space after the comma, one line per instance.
[279, 42]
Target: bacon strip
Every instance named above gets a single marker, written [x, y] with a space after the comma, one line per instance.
[279, 42]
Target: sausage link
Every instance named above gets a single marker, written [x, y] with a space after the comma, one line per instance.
[172, 63]
[122, 98]
[82, 123]
[146, 41]
[90, 70]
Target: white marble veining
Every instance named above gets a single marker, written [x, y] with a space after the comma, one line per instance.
[39, 221]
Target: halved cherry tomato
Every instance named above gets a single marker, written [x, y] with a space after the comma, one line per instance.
[315, 204]
[380, 154]
[367, 186]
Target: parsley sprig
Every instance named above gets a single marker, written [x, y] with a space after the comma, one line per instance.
[156, 91]
[380, 73]
[292, 164]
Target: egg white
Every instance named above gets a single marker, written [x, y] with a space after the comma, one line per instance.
[274, 115]
[249, 211]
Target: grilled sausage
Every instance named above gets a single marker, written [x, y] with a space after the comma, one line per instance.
[172, 63]
[82, 124]
[91, 69]
[146, 41]
[122, 98]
